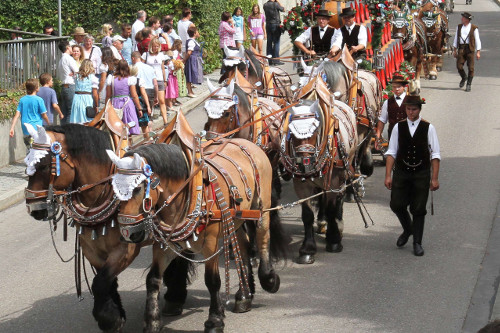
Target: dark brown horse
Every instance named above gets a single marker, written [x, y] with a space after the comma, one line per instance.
[270, 82]
[73, 157]
[318, 145]
[412, 32]
[164, 191]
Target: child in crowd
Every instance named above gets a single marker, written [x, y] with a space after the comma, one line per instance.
[31, 109]
[172, 89]
[86, 86]
[193, 61]
[179, 73]
[49, 97]
[239, 24]
[257, 25]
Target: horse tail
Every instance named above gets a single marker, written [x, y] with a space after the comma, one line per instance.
[180, 271]
[279, 239]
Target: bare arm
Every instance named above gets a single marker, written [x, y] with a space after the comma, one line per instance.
[378, 134]
[135, 97]
[14, 121]
[435, 174]
[186, 57]
[44, 117]
[58, 110]
[95, 95]
[303, 48]
[389, 164]
[109, 94]
[145, 99]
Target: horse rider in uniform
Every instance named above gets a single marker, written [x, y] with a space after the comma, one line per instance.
[465, 45]
[414, 154]
[318, 39]
[352, 34]
[393, 109]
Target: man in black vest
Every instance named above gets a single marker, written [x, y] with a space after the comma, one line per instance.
[318, 39]
[465, 45]
[353, 35]
[393, 109]
[413, 152]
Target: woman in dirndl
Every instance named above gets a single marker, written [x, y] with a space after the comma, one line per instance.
[121, 90]
[193, 61]
[86, 84]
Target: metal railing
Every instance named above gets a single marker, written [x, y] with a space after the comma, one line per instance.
[23, 59]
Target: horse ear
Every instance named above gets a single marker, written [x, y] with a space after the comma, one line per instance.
[242, 51]
[112, 156]
[303, 63]
[31, 131]
[137, 161]
[226, 51]
[210, 86]
[231, 88]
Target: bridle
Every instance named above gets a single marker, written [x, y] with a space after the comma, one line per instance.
[33, 197]
[232, 112]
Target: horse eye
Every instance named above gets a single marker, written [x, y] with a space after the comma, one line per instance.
[136, 190]
[226, 114]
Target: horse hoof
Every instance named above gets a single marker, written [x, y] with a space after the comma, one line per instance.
[306, 259]
[242, 306]
[270, 282]
[335, 248]
[439, 69]
[117, 327]
[214, 325]
[172, 309]
[349, 198]
[432, 77]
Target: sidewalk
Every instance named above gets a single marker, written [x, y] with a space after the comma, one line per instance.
[12, 177]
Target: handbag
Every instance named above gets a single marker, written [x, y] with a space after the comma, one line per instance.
[90, 112]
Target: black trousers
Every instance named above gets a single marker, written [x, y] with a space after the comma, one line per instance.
[410, 189]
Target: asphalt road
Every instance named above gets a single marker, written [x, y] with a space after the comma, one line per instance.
[371, 286]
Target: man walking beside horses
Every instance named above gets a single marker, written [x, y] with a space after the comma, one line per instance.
[465, 46]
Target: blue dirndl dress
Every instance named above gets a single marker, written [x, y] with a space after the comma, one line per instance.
[82, 101]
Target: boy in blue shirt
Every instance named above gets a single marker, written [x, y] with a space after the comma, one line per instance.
[31, 109]
[49, 97]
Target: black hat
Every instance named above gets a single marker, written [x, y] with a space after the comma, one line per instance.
[399, 79]
[346, 12]
[324, 13]
[414, 100]
[467, 15]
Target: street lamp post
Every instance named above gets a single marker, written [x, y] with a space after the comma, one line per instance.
[59, 21]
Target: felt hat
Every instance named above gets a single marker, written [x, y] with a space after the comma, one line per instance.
[324, 13]
[346, 12]
[414, 100]
[399, 79]
[467, 15]
[79, 31]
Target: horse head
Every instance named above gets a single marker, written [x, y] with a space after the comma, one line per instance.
[301, 141]
[235, 59]
[222, 110]
[400, 24]
[49, 168]
[430, 19]
[144, 178]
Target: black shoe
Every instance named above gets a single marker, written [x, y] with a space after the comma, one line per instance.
[403, 239]
[469, 82]
[462, 82]
[467, 88]
[418, 250]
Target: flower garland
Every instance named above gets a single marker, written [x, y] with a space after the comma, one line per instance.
[300, 19]
[379, 11]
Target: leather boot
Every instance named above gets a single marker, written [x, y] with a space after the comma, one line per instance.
[464, 78]
[405, 220]
[418, 232]
[469, 82]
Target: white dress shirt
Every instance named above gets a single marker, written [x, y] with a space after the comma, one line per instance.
[136, 27]
[95, 56]
[465, 37]
[431, 138]
[362, 35]
[66, 66]
[147, 74]
[384, 114]
[182, 28]
[305, 37]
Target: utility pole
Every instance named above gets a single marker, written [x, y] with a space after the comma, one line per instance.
[59, 21]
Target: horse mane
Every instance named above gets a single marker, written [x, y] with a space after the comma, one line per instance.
[334, 73]
[166, 160]
[84, 142]
[242, 98]
[257, 65]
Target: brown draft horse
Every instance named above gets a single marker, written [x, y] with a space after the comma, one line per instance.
[82, 161]
[270, 82]
[412, 32]
[318, 145]
[164, 190]
[436, 23]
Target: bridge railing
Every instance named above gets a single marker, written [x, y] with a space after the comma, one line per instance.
[23, 59]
